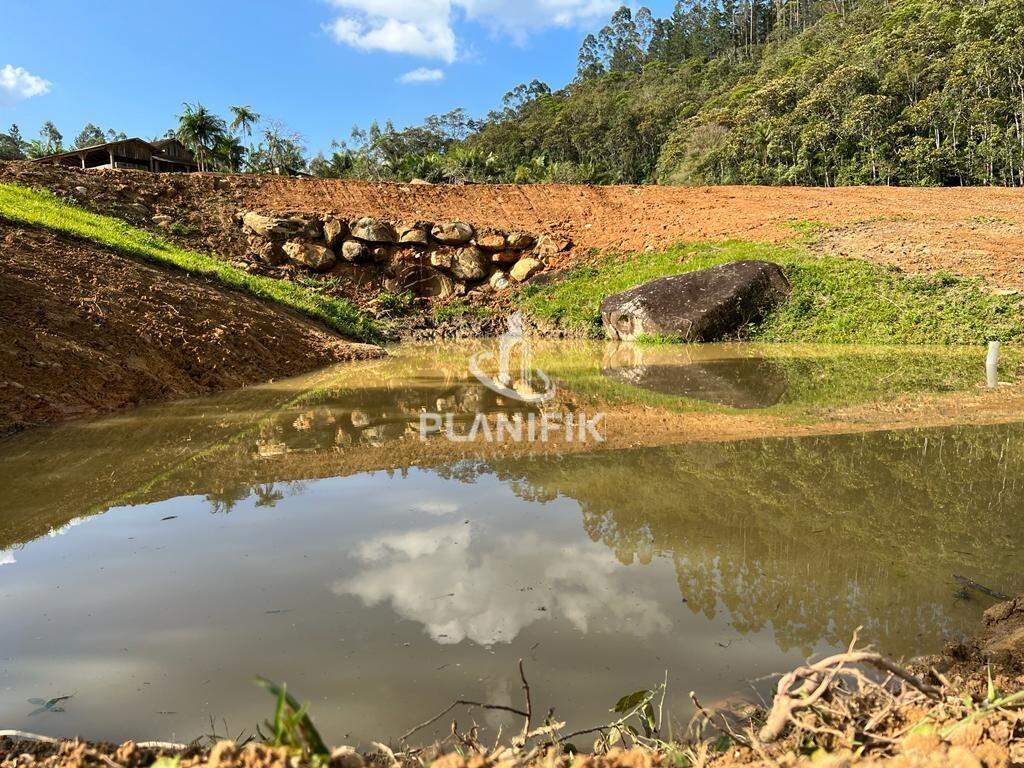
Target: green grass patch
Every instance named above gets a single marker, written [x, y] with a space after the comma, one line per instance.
[395, 303]
[834, 300]
[808, 229]
[459, 309]
[43, 209]
[658, 339]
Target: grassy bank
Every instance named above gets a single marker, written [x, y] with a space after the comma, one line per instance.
[834, 300]
[42, 209]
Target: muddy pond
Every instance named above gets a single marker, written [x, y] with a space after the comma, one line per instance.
[743, 508]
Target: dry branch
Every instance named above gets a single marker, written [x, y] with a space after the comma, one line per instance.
[807, 685]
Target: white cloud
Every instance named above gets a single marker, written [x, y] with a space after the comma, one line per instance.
[422, 75]
[525, 15]
[426, 27]
[436, 506]
[7, 557]
[460, 589]
[19, 83]
[415, 543]
[416, 27]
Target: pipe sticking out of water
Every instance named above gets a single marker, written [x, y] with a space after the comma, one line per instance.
[992, 365]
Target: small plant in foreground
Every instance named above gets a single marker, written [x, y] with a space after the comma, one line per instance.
[292, 726]
[995, 701]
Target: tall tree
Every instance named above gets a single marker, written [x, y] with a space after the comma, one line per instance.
[281, 151]
[89, 136]
[12, 146]
[228, 153]
[590, 63]
[52, 139]
[199, 129]
[244, 118]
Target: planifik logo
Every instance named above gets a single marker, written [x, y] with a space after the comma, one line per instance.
[510, 374]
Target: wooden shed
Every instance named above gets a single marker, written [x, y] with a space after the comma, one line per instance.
[163, 156]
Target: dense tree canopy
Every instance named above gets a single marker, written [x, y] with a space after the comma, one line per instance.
[816, 92]
[813, 92]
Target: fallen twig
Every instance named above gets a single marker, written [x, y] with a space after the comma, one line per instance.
[529, 702]
[461, 703]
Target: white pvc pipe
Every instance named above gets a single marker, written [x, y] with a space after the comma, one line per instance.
[992, 365]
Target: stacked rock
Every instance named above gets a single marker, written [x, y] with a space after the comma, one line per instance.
[459, 252]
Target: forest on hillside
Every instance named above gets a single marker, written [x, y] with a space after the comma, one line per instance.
[812, 92]
[807, 92]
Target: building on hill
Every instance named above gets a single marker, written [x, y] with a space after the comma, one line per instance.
[161, 156]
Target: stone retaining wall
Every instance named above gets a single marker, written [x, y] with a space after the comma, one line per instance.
[432, 259]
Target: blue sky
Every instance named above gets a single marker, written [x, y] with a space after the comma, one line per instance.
[320, 66]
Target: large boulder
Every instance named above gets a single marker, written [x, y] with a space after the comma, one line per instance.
[470, 264]
[453, 233]
[551, 245]
[521, 241]
[353, 250]
[435, 284]
[491, 240]
[335, 230]
[706, 305]
[266, 251]
[373, 230]
[280, 227]
[414, 233]
[524, 269]
[313, 255]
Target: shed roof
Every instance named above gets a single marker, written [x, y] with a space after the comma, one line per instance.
[94, 147]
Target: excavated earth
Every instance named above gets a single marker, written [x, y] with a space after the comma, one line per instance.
[967, 231]
[56, 288]
[87, 330]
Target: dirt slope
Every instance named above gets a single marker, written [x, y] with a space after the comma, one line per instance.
[969, 231]
[976, 232]
[86, 330]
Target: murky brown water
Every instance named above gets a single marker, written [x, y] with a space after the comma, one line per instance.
[153, 563]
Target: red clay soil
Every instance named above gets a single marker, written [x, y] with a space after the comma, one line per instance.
[971, 231]
[87, 330]
[968, 231]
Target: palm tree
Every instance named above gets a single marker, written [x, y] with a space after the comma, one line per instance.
[199, 129]
[245, 118]
[228, 153]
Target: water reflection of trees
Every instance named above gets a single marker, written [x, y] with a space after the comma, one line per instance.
[813, 537]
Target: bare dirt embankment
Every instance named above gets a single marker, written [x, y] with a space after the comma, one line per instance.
[86, 330]
[967, 231]
[973, 231]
